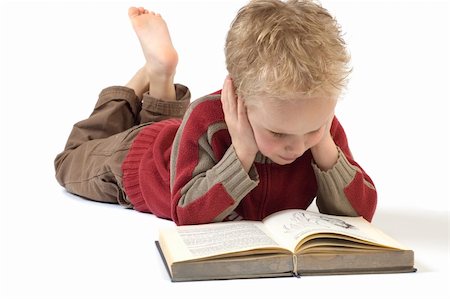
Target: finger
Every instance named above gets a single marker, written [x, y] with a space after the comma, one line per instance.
[241, 109]
[231, 97]
[224, 94]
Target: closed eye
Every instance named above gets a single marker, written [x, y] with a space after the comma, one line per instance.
[316, 131]
[278, 135]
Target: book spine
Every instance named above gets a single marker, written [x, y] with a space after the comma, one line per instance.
[294, 266]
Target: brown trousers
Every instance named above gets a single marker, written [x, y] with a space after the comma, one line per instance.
[90, 165]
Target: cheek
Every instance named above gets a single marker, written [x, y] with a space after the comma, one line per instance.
[265, 144]
[315, 139]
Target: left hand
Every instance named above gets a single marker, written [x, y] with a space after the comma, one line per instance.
[325, 152]
[326, 135]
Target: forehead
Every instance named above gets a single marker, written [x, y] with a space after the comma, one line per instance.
[292, 115]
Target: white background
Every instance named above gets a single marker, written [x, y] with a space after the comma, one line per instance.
[57, 56]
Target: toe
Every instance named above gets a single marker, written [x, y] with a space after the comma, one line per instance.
[133, 12]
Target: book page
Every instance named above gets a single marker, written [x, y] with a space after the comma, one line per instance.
[292, 226]
[198, 241]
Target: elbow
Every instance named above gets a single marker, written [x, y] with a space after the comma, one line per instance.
[362, 197]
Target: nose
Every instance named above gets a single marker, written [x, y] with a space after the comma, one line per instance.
[295, 147]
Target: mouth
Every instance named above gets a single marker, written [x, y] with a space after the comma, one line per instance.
[288, 159]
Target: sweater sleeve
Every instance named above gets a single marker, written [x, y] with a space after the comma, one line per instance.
[345, 189]
[207, 179]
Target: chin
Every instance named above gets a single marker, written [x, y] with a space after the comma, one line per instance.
[281, 161]
[285, 162]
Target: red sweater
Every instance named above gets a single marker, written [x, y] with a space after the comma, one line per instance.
[188, 171]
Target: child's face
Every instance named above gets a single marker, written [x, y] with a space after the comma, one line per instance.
[285, 129]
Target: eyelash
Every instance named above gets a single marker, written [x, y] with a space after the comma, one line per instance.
[315, 132]
[278, 135]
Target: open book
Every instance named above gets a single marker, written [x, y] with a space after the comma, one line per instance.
[287, 243]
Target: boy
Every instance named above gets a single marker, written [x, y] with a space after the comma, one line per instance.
[267, 141]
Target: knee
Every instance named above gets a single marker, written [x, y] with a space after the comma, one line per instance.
[59, 168]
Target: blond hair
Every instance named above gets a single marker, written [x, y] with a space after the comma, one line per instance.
[277, 48]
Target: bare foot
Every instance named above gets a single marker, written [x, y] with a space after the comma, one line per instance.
[151, 29]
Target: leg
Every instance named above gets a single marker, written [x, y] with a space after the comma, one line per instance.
[160, 55]
[93, 170]
[139, 83]
[154, 83]
[86, 167]
[90, 165]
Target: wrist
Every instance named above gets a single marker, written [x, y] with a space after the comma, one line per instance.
[247, 158]
[325, 153]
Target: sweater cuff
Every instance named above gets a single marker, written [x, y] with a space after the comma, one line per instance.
[331, 198]
[339, 176]
[235, 180]
[171, 108]
[233, 177]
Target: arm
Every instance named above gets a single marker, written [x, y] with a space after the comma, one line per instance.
[208, 180]
[239, 127]
[343, 186]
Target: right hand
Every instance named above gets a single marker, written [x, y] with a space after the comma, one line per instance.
[239, 127]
